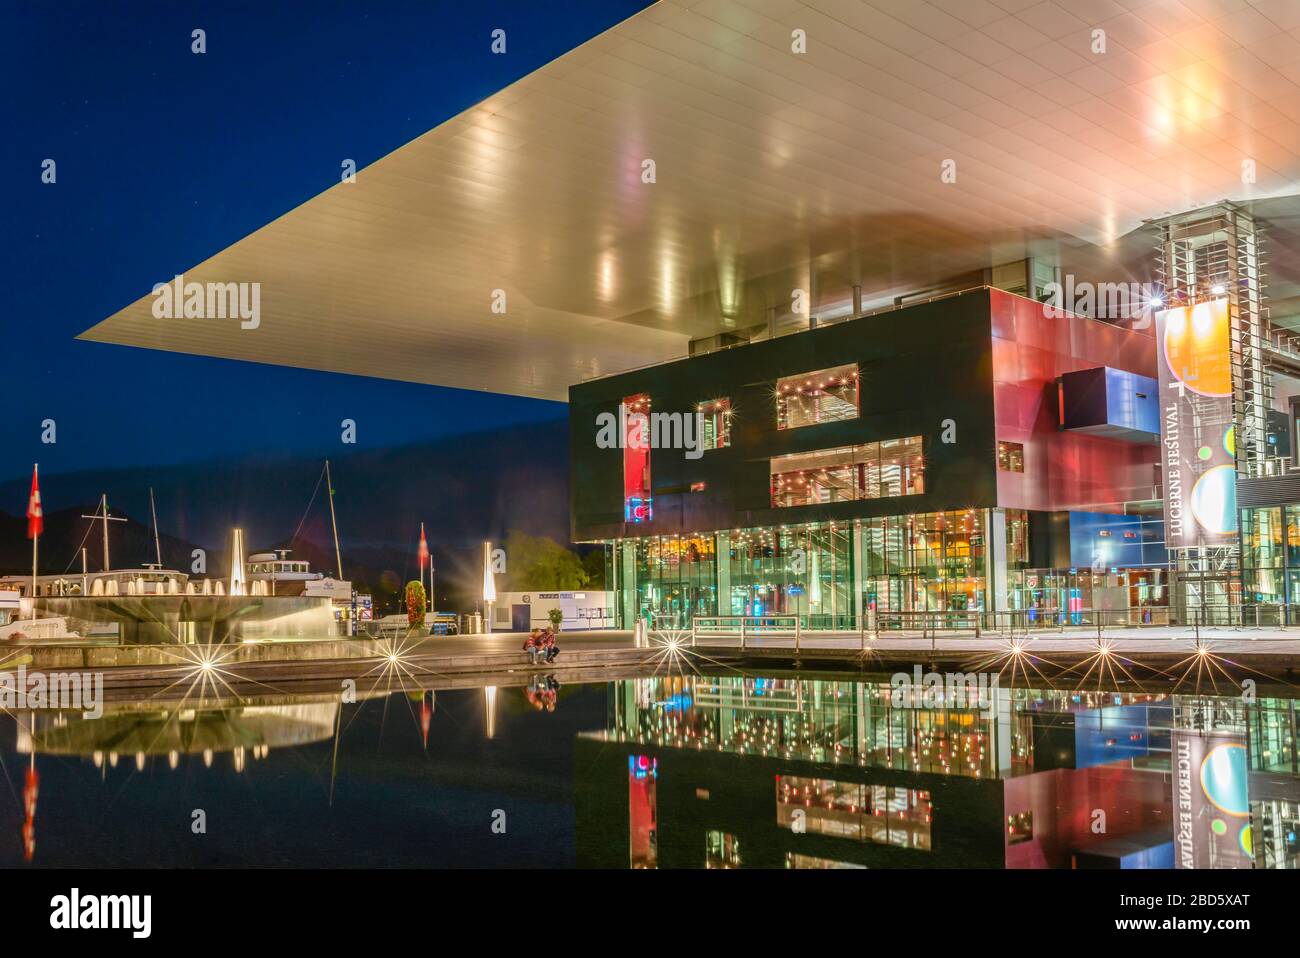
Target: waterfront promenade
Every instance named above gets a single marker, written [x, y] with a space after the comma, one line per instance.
[1222, 652]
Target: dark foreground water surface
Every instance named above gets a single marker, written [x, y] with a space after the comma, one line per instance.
[728, 771]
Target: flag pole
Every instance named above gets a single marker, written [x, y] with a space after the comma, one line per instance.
[35, 539]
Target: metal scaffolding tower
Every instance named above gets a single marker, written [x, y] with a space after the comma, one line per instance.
[1207, 254]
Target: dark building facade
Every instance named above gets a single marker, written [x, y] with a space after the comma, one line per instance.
[914, 460]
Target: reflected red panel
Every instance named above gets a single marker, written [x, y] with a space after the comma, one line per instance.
[1064, 802]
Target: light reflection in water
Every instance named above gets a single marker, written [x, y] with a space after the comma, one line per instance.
[692, 771]
[1024, 778]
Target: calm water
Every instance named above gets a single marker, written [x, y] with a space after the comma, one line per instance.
[727, 771]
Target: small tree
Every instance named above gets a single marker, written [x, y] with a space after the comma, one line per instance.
[540, 564]
[556, 616]
[414, 603]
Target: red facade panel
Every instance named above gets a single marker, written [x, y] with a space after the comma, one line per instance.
[1063, 470]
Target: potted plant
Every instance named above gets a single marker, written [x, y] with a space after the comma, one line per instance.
[556, 616]
[414, 604]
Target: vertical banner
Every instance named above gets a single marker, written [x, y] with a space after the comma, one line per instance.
[1199, 453]
[1211, 807]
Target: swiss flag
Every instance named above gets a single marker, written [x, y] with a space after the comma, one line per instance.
[35, 518]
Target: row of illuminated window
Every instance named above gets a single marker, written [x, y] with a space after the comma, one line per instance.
[872, 470]
[880, 814]
[270, 567]
[807, 399]
[722, 850]
[810, 399]
[827, 395]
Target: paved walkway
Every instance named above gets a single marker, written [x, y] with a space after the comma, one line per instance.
[457, 658]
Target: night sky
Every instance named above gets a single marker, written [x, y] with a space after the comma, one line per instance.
[166, 157]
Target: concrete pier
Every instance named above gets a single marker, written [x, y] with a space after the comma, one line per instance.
[479, 658]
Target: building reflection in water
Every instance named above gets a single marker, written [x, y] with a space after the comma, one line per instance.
[783, 772]
[144, 732]
[805, 773]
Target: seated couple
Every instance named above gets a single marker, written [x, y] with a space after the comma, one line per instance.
[540, 646]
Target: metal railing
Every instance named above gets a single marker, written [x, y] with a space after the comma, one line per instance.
[747, 626]
[383, 630]
[928, 623]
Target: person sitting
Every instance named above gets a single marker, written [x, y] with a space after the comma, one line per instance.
[552, 650]
[534, 648]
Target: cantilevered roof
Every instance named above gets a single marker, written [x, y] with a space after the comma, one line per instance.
[774, 170]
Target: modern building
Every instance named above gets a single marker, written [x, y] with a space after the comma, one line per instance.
[969, 453]
[835, 253]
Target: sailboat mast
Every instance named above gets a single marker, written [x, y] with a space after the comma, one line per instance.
[103, 500]
[329, 483]
[101, 515]
[154, 512]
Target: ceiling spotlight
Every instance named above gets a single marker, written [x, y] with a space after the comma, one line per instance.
[1157, 301]
[1217, 289]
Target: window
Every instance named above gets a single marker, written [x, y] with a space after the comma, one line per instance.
[1011, 456]
[796, 860]
[636, 459]
[715, 423]
[721, 850]
[1020, 828]
[879, 814]
[873, 470]
[827, 395]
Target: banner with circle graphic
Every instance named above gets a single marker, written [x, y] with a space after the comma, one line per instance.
[1210, 801]
[1199, 454]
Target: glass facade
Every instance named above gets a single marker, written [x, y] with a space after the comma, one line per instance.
[806, 570]
[834, 575]
[928, 562]
[1270, 563]
[829, 574]
[672, 579]
[1051, 597]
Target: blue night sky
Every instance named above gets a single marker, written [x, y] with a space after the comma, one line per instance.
[166, 157]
